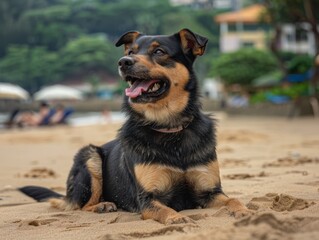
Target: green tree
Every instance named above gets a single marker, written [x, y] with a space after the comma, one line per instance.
[30, 67]
[244, 65]
[78, 35]
[89, 54]
[280, 12]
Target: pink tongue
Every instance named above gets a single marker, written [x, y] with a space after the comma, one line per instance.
[138, 88]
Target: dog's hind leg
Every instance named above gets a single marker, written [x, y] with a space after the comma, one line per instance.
[85, 181]
[94, 166]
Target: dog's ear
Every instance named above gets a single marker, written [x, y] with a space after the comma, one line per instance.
[192, 42]
[127, 38]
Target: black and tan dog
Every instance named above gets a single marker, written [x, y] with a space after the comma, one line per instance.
[164, 158]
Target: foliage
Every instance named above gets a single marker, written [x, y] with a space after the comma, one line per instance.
[300, 64]
[295, 12]
[34, 67]
[89, 53]
[45, 41]
[244, 65]
[292, 91]
[30, 67]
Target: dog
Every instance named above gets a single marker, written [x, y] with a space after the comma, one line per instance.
[164, 157]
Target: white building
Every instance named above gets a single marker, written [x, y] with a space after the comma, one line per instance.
[298, 39]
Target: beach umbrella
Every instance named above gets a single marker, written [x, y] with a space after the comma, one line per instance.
[10, 91]
[58, 92]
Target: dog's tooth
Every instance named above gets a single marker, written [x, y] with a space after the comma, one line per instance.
[130, 83]
[155, 87]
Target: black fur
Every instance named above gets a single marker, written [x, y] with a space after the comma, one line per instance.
[40, 194]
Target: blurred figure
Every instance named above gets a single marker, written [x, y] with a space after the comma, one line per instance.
[45, 117]
[58, 115]
[61, 115]
[106, 116]
[30, 118]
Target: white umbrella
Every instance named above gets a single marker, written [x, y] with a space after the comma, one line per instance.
[10, 91]
[58, 92]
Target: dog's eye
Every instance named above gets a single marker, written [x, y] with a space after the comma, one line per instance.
[130, 52]
[159, 52]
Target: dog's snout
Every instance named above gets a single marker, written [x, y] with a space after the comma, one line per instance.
[126, 62]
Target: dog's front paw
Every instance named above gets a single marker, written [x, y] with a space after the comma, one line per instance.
[242, 212]
[104, 207]
[178, 219]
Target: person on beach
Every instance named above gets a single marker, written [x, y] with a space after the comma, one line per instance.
[29, 118]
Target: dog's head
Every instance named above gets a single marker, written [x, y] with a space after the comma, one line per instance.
[158, 70]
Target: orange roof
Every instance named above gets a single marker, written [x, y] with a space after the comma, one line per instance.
[250, 14]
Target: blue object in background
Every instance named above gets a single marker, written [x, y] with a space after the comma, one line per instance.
[277, 99]
[301, 77]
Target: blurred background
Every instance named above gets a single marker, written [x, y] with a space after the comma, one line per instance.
[262, 56]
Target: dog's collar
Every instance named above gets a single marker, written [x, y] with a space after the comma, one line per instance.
[174, 130]
[169, 130]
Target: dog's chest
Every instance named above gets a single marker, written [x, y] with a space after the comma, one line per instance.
[159, 179]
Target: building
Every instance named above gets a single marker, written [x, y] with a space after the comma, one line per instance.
[298, 39]
[242, 28]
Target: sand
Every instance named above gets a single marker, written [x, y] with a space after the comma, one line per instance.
[270, 164]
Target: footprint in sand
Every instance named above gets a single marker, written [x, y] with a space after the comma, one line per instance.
[242, 136]
[121, 218]
[287, 225]
[313, 183]
[278, 202]
[304, 144]
[232, 162]
[35, 222]
[292, 160]
[40, 173]
[32, 139]
[225, 150]
[240, 176]
[165, 231]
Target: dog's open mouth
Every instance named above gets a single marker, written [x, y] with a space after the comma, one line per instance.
[145, 89]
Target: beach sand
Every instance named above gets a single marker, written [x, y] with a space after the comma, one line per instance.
[270, 164]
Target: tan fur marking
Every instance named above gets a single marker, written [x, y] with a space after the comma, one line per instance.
[183, 35]
[159, 212]
[130, 38]
[144, 61]
[189, 42]
[94, 165]
[157, 178]
[101, 207]
[175, 102]
[96, 192]
[128, 47]
[153, 46]
[62, 204]
[204, 177]
[234, 206]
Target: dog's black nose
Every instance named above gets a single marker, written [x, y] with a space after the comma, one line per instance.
[126, 62]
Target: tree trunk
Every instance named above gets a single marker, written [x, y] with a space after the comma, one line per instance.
[275, 46]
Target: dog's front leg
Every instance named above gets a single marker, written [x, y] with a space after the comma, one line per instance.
[163, 214]
[233, 205]
[157, 180]
[206, 179]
